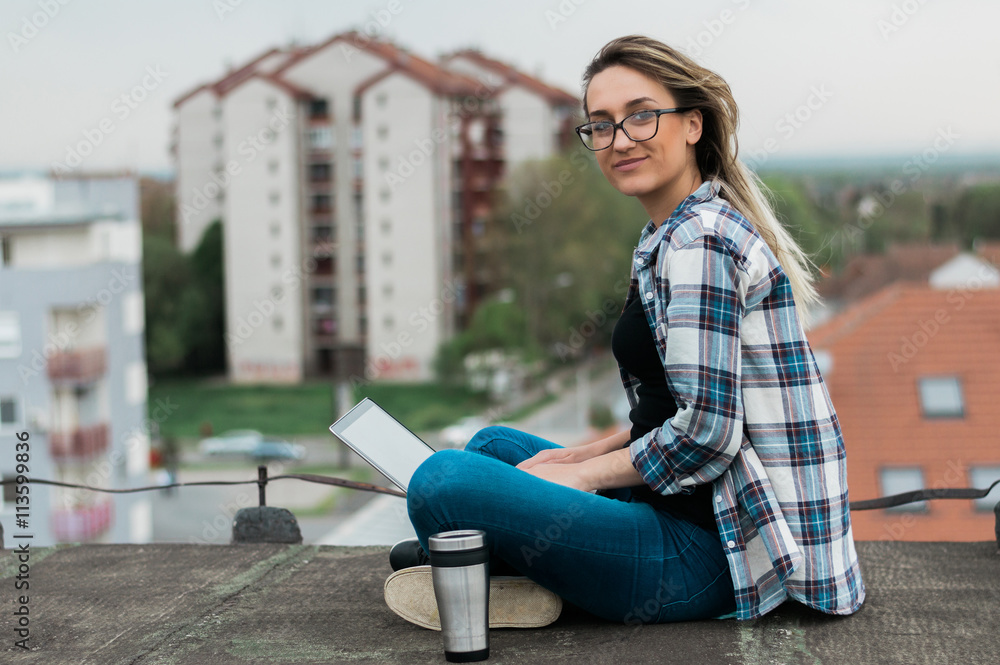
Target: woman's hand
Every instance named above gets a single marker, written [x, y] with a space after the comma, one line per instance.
[567, 474]
[577, 454]
[607, 471]
[556, 456]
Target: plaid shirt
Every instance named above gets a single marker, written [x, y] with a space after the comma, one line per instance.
[754, 417]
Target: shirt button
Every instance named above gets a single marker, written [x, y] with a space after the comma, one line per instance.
[649, 295]
[718, 498]
[640, 260]
[731, 543]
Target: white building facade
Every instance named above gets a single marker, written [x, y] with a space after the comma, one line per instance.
[351, 178]
[72, 363]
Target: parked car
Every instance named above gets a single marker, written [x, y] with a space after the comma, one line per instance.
[270, 449]
[233, 442]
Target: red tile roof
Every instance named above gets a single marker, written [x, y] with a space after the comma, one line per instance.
[880, 348]
[867, 273]
[429, 74]
[513, 76]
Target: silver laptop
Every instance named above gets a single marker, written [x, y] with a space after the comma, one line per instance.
[382, 441]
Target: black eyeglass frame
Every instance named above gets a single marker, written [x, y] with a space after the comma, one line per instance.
[621, 125]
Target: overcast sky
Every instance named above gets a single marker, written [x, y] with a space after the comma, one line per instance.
[882, 76]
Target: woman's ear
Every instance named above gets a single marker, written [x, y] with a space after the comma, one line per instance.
[694, 126]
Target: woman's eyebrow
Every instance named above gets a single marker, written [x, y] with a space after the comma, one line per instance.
[634, 102]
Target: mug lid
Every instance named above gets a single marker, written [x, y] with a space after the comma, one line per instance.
[457, 541]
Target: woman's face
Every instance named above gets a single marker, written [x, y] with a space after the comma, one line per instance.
[655, 171]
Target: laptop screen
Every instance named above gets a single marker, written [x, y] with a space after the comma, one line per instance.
[382, 441]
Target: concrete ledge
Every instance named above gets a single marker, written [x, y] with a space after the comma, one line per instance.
[270, 603]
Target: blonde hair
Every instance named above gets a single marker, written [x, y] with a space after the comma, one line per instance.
[716, 152]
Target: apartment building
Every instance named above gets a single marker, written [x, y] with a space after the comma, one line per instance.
[352, 178]
[72, 364]
[911, 370]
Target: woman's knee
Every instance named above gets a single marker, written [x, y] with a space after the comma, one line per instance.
[486, 436]
[434, 478]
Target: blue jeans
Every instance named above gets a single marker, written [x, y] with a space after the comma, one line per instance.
[621, 560]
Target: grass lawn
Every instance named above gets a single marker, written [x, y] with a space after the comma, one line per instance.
[300, 409]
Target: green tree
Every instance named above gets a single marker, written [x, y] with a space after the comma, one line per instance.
[977, 212]
[567, 238]
[205, 331]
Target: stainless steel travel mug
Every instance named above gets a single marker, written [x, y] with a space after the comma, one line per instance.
[460, 570]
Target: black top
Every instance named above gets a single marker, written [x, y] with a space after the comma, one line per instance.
[634, 348]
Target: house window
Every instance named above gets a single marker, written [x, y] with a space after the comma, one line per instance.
[8, 413]
[4, 251]
[388, 322]
[275, 229]
[903, 479]
[387, 290]
[271, 103]
[275, 198]
[982, 477]
[276, 260]
[941, 397]
[387, 258]
[381, 99]
[10, 335]
[273, 166]
[383, 132]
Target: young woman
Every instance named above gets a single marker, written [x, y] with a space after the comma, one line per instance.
[728, 494]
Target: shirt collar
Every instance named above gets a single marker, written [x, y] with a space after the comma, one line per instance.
[651, 235]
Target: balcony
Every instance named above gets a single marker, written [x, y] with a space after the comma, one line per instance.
[82, 366]
[79, 444]
[82, 523]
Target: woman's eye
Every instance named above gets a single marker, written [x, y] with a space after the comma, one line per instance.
[643, 116]
[601, 127]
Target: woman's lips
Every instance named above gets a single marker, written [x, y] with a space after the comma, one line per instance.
[629, 164]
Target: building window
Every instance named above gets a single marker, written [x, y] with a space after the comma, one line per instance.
[982, 477]
[363, 325]
[4, 251]
[383, 163]
[322, 203]
[320, 172]
[385, 194]
[357, 168]
[360, 263]
[388, 322]
[903, 479]
[362, 295]
[320, 138]
[276, 260]
[324, 265]
[271, 103]
[387, 226]
[217, 140]
[277, 323]
[318, 109]
[323, 295]
[383, 132]
[275, 229]
[217, 112]
[275, 198]
[356, 138]
[8, 413]
[381, 99]
[273, 166]
[276, 292]
[10, 335]
[9, 491]
[322, 234]
[387, 290]
[387, 258]
[941, 397]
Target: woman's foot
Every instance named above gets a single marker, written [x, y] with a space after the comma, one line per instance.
[407, 553]
[515, 602]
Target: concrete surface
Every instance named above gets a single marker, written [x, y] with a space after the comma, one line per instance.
[220, 605]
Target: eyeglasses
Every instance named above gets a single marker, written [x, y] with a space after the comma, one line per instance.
[640, 126]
